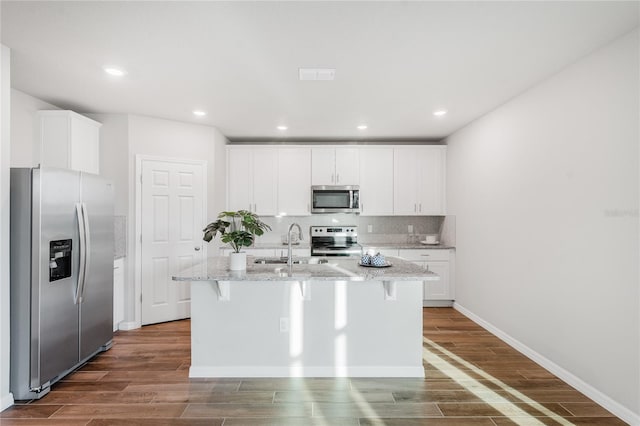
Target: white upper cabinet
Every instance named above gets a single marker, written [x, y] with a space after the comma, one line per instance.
[252, 180]
[376, 181]
[294, 181]
[276, 180]
[419, 180]
[68, 140]
[334, 166]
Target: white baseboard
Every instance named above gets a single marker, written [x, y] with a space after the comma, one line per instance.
[614, 407]
[128, 325]
[328, 371]
[437, 303]
[6, 401]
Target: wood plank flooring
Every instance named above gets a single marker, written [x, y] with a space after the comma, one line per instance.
[472, 378]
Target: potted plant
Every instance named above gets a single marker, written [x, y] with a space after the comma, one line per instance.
[238, 229]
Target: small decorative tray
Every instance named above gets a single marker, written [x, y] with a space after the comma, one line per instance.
[386, 265]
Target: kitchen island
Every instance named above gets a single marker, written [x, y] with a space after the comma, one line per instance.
[311, 319]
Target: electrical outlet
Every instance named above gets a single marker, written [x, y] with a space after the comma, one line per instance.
[284, 325]
[410, 229]
[369, 228]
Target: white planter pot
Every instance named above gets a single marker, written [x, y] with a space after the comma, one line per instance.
[237, 261]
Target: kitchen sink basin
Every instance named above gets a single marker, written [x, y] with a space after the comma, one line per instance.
[296, 261]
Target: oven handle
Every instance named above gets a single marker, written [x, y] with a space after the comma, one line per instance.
[341, 251]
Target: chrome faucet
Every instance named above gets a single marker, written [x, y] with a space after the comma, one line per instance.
[289, 256]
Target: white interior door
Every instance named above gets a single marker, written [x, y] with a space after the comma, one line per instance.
[172, 219]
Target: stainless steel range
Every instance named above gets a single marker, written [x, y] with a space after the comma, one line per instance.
[335, 241]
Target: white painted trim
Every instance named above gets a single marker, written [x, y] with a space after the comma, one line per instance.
[128, 325]
[437, 303]
[137, 264]
[6, 402]
[614, 407]
[326, 371]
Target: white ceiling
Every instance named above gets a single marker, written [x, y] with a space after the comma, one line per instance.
[395, 61]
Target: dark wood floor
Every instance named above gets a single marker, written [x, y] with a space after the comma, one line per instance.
[472, 378]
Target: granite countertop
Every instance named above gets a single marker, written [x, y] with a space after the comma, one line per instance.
[337, 269]
[407, 246]
[305, 245]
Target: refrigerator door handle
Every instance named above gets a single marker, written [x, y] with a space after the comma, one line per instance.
[81, 268]
[87, 249]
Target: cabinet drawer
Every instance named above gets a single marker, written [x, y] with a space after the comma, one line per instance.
[425, 255]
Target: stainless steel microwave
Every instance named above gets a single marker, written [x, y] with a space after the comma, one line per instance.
[335, 199]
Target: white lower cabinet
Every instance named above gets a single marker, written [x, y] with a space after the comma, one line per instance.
[441, 262]
[118, 292]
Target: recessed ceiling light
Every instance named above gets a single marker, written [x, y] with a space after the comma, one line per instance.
[362, 127]
[439, 112]
[199, 113]
[282, 127]
[117, 72]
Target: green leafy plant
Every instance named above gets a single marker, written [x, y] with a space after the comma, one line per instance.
[238, 229]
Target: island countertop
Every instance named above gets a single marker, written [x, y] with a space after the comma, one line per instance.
[336, 269]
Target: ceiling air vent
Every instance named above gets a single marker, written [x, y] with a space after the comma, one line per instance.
[325, 74]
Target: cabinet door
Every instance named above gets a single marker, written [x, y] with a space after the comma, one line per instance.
[68, 140]
[431, 190]
[376, 181]
[294, 181]
[265, 181]
[347, 165]
[323, 166]
[85, 146]
[239, 173]
[54, 133]
[438, 290]
[405, 181]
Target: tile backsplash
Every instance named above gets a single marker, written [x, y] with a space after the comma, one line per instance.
[384, 229]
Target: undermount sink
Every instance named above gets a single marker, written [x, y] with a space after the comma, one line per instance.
[283, 260]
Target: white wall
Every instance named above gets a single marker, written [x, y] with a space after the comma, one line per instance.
[23, 124]
[6, 399]
[114, 159]
[545, 191]
[171, 139]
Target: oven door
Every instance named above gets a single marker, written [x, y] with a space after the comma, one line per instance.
[335, 199]
[354, 250]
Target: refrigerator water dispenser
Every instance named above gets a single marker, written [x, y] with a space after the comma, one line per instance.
[59, 259]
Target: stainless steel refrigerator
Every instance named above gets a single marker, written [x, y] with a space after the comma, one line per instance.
[61, 275]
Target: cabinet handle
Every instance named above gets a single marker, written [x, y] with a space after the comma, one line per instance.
[308, 208]
[255, 208]
[332, 178]
[420, 207]
[415, 208]
[196, 248]
[338, 178]
[424, 255]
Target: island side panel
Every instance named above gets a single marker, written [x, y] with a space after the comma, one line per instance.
[344, 329]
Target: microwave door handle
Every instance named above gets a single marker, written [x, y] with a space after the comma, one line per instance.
[351, 199]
